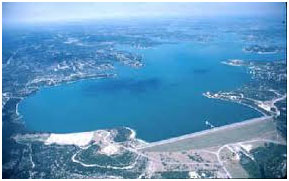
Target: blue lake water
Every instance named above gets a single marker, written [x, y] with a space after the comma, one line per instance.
[163, 99]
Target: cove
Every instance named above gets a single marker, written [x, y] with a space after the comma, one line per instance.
[163, 99]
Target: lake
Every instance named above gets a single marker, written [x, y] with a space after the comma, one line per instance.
[163, 99]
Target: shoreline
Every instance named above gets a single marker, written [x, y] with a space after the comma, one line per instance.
[58, 138]
[146, 144]
[55, 85]
[134, 132]
[164, 141]
[240, 103]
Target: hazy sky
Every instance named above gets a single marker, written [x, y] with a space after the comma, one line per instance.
[38, 12]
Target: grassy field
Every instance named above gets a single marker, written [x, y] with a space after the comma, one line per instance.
[247, 130]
